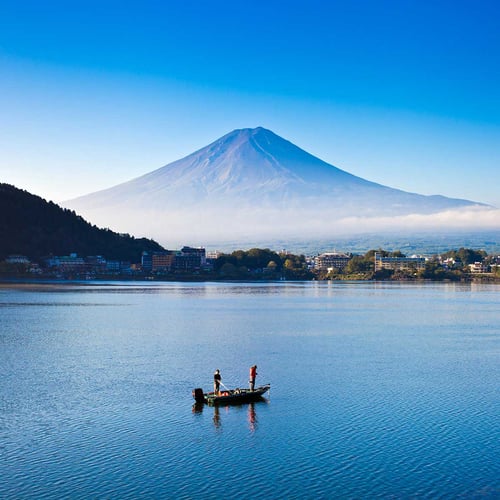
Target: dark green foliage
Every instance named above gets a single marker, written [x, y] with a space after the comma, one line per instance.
[361, 264]
[434, 271]
[254, 259]
[31, 226]
[397, 254]
[370, 255]
[258, 263]
[466, 255]
[295, 267]
[383, 274]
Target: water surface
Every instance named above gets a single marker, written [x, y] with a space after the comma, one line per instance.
[378, 390]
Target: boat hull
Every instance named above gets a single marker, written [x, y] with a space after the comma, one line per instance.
[234, 396]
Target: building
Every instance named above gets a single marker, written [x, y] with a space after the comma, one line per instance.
[96, 264]
[157, 262]
[198, 251]
[162, 262]
[147, 262]
[186, 259]
[398, 263]
[68, 263]
[213, 255]
[17, 259]
[478, 268]
[190, 259]
[117, 267]
[330, 260]
[451, 263]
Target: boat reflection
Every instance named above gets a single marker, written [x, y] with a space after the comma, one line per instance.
[198, 407]
[252, 417]
[217, 418]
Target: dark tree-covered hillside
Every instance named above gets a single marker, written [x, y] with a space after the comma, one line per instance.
[32, 226]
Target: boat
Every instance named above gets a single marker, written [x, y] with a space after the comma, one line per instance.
[230, 396]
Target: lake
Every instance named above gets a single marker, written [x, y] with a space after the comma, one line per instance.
[385, 390]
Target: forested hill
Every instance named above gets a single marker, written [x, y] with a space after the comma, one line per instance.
[32, 226]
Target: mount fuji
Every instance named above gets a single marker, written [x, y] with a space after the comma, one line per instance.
[253, 184]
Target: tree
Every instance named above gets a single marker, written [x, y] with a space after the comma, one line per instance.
[272, 266]
[397, 254]
[434, 271]
[295, 267]
[383, 274]
[466, 255]
[359, 264]
[229, 270]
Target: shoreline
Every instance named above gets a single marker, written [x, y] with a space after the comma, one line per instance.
[40, 281]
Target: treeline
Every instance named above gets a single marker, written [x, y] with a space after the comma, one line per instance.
[262, 264]
[34, 227]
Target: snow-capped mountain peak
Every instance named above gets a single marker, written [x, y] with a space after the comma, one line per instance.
[253, 179]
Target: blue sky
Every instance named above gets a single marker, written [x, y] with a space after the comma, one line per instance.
[404, 93]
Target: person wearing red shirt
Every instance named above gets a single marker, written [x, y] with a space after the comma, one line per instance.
[253, 374]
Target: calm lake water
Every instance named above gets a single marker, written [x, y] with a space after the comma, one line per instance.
[378, 390]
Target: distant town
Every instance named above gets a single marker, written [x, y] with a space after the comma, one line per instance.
[41, 241]
[196, 264]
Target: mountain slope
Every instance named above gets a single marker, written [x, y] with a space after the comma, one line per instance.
[31, 226]
[251, 178]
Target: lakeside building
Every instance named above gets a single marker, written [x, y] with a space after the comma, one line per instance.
[213, 255]
[330, 260]
[147, 261]
[96, 264]
[199, 252]
[478, 268]
[67, 263]
[86, 266]
[17, 259]
[190, 259]
[186, 259]
[118, 267]
[157, 262]
[23, 262]
[398, 263]
[162, 261]
[451, 263]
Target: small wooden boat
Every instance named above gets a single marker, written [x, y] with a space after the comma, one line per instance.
[230, 396]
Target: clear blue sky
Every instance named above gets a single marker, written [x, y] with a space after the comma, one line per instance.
[405, 93]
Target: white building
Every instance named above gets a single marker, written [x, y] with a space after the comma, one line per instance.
[17, 259]
[478, 267]
[398, 263]
[329, 260]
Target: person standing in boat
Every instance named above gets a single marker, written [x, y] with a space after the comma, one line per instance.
[253, 374]
[217, 379]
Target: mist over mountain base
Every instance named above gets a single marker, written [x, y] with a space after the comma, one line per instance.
[407, 242]
[310, 240]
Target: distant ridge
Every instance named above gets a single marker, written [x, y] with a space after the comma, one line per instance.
[34, 227]
[251, 183]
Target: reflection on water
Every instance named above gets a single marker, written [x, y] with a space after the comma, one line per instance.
[251, 412]
[252, 417]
